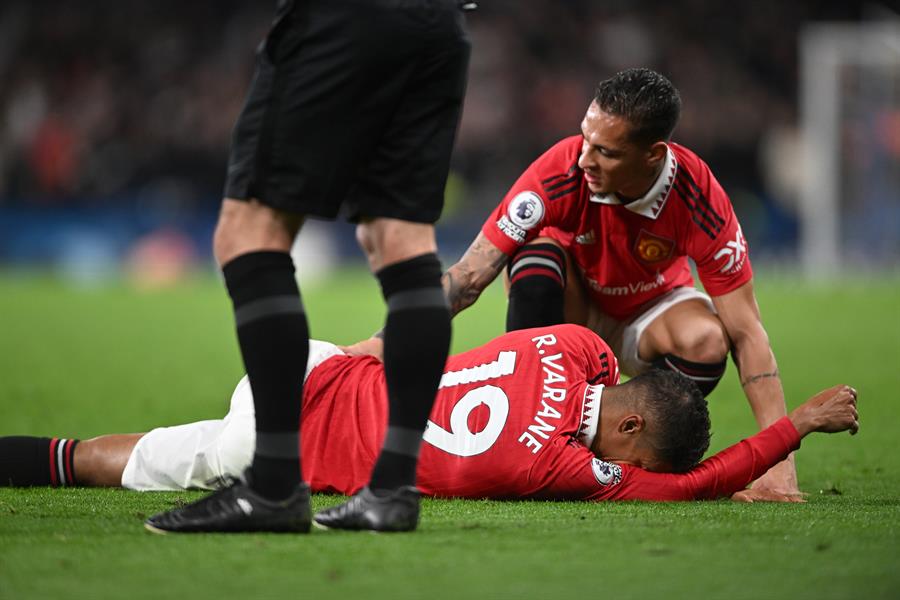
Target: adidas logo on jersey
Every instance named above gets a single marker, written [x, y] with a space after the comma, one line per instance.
[586, 238]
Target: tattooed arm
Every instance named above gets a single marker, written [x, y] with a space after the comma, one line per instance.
[756, 365]
[479, 266]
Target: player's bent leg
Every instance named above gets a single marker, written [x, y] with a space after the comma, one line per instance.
[537, 283]
[537, 299]
[687, 338]
[416, 345]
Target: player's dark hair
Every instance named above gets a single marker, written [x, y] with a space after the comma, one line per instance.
[675, 415]
[646, 99]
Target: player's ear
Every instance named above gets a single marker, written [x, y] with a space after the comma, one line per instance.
[657, 152]
[631, 424]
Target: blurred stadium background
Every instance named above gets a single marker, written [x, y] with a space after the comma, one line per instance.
[115, 121]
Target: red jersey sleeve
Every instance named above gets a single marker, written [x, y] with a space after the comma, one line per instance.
[715, 240]
[546, 194]
[723, 474]
[577, 473]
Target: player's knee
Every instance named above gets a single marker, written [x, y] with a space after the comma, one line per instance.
[537, 276]
[388, 242]
[703, 341]
[250, 226]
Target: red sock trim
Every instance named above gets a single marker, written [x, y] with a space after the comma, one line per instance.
[539, 272]
[54, 480]
[70, 448]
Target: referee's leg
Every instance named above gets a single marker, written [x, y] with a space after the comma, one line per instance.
[252, 244]
[403, 256]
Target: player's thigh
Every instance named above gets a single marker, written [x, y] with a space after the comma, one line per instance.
[689, 329]
[405, 175]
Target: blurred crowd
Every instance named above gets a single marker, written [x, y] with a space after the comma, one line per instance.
[103, 101]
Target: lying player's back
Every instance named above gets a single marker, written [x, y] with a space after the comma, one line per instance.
[498, 407]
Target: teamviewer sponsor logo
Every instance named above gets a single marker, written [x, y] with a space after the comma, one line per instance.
[734, 253]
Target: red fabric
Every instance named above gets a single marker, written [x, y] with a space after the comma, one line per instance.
[54, 478]
[345, 405]
[718, 476]
[70, 447]
[618, 280]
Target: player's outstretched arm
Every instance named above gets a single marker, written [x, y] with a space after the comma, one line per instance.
[760, 379]
[479, 266]
[730, 470]
[830, 411]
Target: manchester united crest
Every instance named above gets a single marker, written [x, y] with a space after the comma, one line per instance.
[652, 248]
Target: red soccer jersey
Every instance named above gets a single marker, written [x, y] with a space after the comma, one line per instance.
[628, 254]
[513, 419]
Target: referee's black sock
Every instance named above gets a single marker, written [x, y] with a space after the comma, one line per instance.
[537, 277]
[416, 343]
[34, 461]
[274, 340]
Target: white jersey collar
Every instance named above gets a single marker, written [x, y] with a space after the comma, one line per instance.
[651, 203]
[590, 414]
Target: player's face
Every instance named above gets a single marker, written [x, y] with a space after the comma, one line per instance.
[612, 163]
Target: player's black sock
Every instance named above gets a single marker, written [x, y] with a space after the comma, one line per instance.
[416, 343]
[32, 461]
[537, 276]
[274, 340]
[705, 375]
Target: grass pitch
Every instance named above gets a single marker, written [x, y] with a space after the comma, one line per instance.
[80, 363]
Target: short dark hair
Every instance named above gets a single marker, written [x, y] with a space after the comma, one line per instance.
[676, 417]
[645, 99]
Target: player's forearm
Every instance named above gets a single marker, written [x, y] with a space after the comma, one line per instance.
[760, 378]
[479, 266]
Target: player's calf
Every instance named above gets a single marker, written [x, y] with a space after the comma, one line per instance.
[537, 283]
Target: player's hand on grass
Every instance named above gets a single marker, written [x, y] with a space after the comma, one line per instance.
[779, 484]
[830, 411]
[373, 347]
[751, 495]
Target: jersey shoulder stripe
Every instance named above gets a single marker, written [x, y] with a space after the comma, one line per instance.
[604, 370]
[700, 196]
[562, 184]
[702, 213]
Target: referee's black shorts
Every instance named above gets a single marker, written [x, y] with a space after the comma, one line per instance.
[353, 102]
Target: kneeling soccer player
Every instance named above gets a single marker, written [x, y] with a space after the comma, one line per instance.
[535, 413]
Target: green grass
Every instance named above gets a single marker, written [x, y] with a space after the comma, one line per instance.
[85, 362]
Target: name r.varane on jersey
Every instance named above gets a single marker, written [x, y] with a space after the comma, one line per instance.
[554, 391]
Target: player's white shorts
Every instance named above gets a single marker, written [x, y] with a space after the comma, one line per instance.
[206, 454]
[623, 336]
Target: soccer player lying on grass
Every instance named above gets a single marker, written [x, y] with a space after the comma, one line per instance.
[535, 413]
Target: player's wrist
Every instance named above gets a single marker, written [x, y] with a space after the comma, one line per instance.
[803, 422]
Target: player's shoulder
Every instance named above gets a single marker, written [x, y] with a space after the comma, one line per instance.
[695, 183]
[558, 162]
[687, 158]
